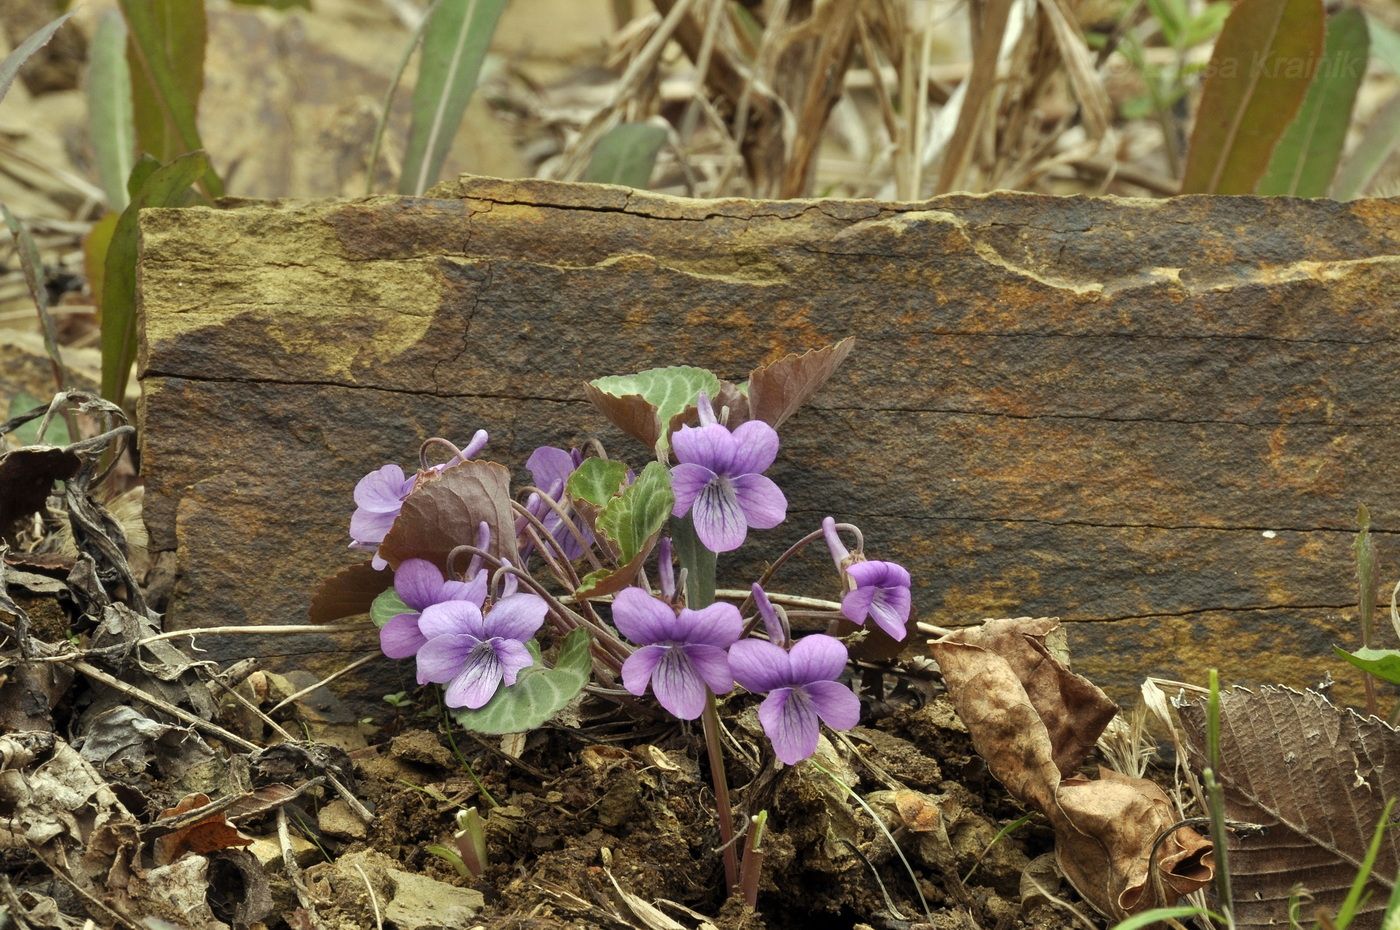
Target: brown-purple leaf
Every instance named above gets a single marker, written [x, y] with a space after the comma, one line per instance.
[27, 477]
[1317, 777]
[631, 413]
[444, 511]
[778, 389]
[348, 593]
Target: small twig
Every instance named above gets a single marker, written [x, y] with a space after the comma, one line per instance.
[250, 630]
[199, 723]
[88, 896]
[373, 898]
[289, 861]
[361, 661]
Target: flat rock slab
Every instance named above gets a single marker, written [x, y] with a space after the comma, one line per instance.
[1154, 419]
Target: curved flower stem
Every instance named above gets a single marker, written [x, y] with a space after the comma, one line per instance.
[778, 563]
[560, 568]
[710, 721]
[433, 442]
[555, 506]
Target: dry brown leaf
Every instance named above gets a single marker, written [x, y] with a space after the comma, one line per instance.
[204, 836]
[1034, 720]
[1317, 777]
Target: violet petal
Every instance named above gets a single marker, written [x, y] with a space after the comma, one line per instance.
[382, 490]
[419, 583]
[400, 638]
[756, 446]
[451, 618]
[636, 671]
[478, 681]
[719, 520]
[442, 657]
[759, 666]
[711, 663]
[711, 446]
[642, 618]
[518, 617]
[835, 703]
[687, 481]
[678, 686]
[717, 625]
[762, 502]
[818, 658]
[514, 658]
[791, 724]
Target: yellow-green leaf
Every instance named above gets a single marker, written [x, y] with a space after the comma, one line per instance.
[1306, 158]
[1258, 75]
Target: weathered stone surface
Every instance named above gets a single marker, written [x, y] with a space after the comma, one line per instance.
[1153, 419]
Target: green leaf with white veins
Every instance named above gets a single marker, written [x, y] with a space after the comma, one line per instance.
[538, 693]
[633, 518]
[387, 606]
[643, 405]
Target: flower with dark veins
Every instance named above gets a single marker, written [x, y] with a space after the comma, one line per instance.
[718, 479]
[682, 655]
[802, 690]
[420, 585]
[474, 654]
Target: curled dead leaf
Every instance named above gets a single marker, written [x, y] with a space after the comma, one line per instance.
[204, 836]
[1034, 721]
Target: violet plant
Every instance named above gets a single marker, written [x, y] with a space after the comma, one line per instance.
[484, 583]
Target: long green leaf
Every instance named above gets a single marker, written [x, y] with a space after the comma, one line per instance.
[626, 155]
[166, 53]
[1355, 895]
[1378, 143]
[12, 62]
[1306, 158]
[111, 119]
[538, 693]
[1258, 75]
[162, 187]
[455, 41]
[1382, 663]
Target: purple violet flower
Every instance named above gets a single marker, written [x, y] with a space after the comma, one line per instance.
[474, 654]
[550, 468]
[379, 497]
[802, 689]
[719, 479]
[682, 654]
[878, 590]
[420, 585]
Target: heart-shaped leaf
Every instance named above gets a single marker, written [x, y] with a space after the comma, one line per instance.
[596, 481]
[348, 593]
[634, 518]
[538, 693]
[777, 390]
[444, 511]
[387, 606]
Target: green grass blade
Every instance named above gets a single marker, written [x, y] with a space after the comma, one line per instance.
[1306, 157]
[389, 96]
[1347, 913]
[162, 187]
[33, 269]
[111, 119]
[1259, 73]
[455, 40]
[626, 155]
[12, 62]
[1163, 914]
[166, 54]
